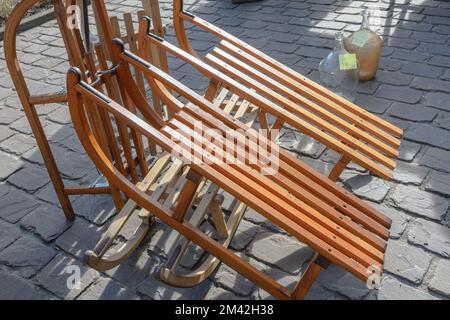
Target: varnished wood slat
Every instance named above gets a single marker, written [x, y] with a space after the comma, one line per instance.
[265, 104]
[302, 117]
[334, 195]
[296, 76]
[323, 101]
[303, 102]
[229, 186]
[192, 96]
[48, 98]
[291, 201]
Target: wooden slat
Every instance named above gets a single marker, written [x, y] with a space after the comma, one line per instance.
[294, 96]
[229, 107]
[308, 93]
[322, 218]
[264, 104]
[229, 186]
[303, 117]
[315, 183]
[279, 199]
[166, 180]
[295, 76]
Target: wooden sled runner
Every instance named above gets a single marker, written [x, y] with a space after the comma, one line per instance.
[341, 228]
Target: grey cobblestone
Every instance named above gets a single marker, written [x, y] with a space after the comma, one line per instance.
[406, 261]
[443, 121]
[337, 280]
[439, 61]
[392, 289]
[27, 255]
[394, 78]
[416, 112]
[15, 204]
[17, 288]
[283, 251]
[218, 293]
[438, 182]
[17, 144]
[283, 278]
[6, 133]
[420, 69]
[244, 235]
[157, 290]
[9, 165]
[422, 203]
[401, 94]
[46, 222]
[408, 150]
[367, 187]
[233, 281]
[30, 178]
[372, 104]
[409, 55]
[440, 282]
[437, 100]
[8, 115]
[430, 84]
[399, 220]
[135, 269]
[107, 289]
[430, 135]
[9, 234]
[410, 173]
[431, 236]
[56, 276]
[70, 242]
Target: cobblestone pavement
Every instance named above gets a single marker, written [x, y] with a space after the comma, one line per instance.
[411, 89]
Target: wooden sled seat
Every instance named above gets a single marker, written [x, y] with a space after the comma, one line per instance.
[338, 226]
[354, 133]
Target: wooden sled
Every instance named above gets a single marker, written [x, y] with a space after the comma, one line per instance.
[129, 158]
[86, 61]
[341, 228]
[235, 104]
[354, 133]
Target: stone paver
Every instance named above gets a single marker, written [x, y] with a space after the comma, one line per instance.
[431, 236]
[420, 202]
[27, 255]
[407, 262]
[393, 289]
[411, 90]
[46, 222]
[60, 277]
[440, 282]
[15, 287]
